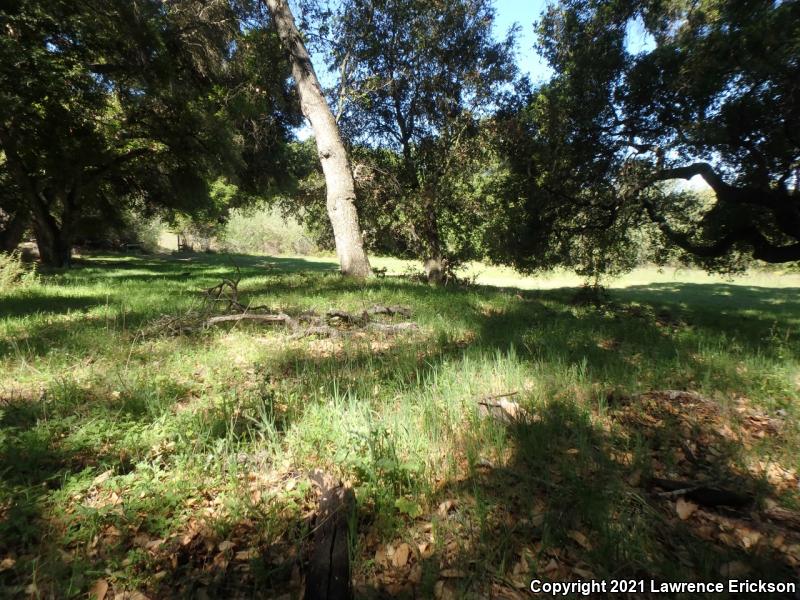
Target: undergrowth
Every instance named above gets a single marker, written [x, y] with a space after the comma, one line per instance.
[177, 464]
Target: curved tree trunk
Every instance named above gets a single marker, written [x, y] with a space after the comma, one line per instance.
[332, 153]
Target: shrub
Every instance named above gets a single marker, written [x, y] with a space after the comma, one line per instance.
[14, 272]
[264, 230]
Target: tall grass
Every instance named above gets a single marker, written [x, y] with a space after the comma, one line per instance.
[114, 434]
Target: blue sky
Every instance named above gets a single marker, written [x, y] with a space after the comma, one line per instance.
[524, 13]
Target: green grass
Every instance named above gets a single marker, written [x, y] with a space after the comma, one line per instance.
[129, 454]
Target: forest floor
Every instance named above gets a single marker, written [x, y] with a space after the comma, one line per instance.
[141, 458]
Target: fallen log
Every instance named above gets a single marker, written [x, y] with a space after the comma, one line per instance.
[268, 318]
[789, 518]
[358, 320]
[321, 330]
[328, 331]
[701, 493]
[329, 569]
[393, 327]
[403, 311]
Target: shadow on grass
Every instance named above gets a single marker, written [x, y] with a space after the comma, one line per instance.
[564, 474]
[573, 502]
[175, 265]
[40, 302]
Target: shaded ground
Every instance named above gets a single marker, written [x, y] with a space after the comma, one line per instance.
[176, 465]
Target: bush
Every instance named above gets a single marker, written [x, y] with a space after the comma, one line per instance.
[264, 230]
[14, 272]
[146, 231]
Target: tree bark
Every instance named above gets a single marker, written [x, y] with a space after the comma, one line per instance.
[433, 259]
[55, 249]
[13, 230]
[332, 153]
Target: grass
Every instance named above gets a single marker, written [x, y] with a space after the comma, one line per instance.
[176, 465]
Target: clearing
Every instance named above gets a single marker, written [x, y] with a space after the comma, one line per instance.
[142, 456]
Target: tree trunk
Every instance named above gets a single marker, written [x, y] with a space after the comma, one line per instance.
[55, 250]
[332, 154]
[13, 230]
[434, 261]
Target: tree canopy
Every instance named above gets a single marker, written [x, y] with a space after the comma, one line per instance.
[143, 105]
[107, 104]
[713, 95]
[415, 79]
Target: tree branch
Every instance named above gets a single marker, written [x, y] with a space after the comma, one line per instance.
[94, 174]
[763, 249]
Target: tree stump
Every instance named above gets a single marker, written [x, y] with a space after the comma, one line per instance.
[329, 570]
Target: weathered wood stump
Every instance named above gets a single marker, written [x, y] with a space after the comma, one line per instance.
[329, 570]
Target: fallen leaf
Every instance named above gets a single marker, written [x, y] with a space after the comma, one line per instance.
[580, 539]
[452, 574]
[221, 561]
[684, 508]
[582, 572]
[401, 555]
[551, 566]
[749, 537]
[416, 574]
[7, 563]
[99, 589]
[226, 545]
[246, 554]
[154, 544]
[445, 507]
[442, 591]
[380, 556]
[102, 477]
[425, 549]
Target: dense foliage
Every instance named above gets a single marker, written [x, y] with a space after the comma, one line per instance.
[714, 95]
[185, 108]
[415, 78]
[105, 105]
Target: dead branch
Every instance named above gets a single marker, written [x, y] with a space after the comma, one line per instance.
[270, 318]
[403, 311]
[334, 322]
[702, 493]
[353, 319]
[321, 330]
[393, 327]
[500, 408]
[788, 517]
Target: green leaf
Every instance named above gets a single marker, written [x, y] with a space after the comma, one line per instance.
[408, 507]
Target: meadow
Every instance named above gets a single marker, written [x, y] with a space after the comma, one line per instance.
[144, 459]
